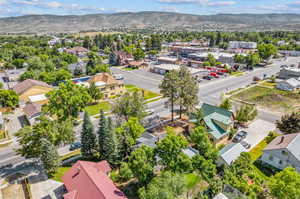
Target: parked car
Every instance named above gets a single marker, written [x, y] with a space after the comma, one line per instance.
[246, 145]
[118, 77]
[75, 145]
[240, 136]
[208, 77]
[215, 75]
[149, 111]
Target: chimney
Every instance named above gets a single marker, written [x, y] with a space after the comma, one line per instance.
[281, 139]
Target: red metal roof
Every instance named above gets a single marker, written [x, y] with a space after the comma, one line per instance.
[89, 180]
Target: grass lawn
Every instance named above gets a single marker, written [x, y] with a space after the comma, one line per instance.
[128, 69]
[271, 99]
[147, 94]
[95, 109]
[237, 73]
[257, 151]
[60, 173]
[268, 84]
[191, 180]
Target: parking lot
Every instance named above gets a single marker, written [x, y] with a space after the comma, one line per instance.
[257, 131]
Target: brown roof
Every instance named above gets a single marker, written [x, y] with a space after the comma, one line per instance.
[27, 84]
[77, 49]
[137, 63]
[123, 55]
[32, 109]
[281, 142]
[104, 77]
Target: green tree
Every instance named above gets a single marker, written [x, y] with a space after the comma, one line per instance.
[142, 162]
[226, 104]
[199, 137]
[169, 150]
[138, 54]
[246, 113]
[125, 172]
[205, 166]
[266, 50]
[67, 101]
[285, 184]
[88, 138]
[289, 123]
[8, 98]
[95, 92]
[167, 185]
[169, 89]
[130, 105]
[253, 59]
[211, 59]
[56, 132]
[49, 156]
[129, 132]
[187, 91]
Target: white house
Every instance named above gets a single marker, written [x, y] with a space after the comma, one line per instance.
[288, 85]
[283, 151]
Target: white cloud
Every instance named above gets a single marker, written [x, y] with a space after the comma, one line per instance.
[169, 9]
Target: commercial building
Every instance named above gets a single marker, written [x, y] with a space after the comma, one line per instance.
[226, 58]
[242, 45]
[165, 68]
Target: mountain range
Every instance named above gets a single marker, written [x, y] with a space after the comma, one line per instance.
[148, 20]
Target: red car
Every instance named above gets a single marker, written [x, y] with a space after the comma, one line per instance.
[215, 75]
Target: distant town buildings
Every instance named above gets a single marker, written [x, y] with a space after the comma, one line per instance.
[165, 68]
[78, 51]
[242, 45]
[120, 58]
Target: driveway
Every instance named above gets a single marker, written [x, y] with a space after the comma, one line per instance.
[257, 131]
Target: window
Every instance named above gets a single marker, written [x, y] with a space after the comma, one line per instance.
[280, 162]
[271, 158]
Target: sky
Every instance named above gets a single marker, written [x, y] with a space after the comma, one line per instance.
[202, 7]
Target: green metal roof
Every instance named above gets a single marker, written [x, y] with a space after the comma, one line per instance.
[213, 114]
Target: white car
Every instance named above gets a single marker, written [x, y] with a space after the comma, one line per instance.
[118, 76]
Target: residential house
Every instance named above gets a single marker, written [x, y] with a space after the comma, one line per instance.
[137, 64]
[218, 121]
[230, 153]
[288, 85]
[90, 180]
[291, 53]
[32, 112]
[32, 91]
[190, 152]
[289, 72]
[108, 85]
[78, 51]
[221, 196]
[283, 151]
[120, 58]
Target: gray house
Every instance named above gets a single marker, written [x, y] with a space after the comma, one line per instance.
[230, 153]
[288, 85]
[289, 72]
[283, 151]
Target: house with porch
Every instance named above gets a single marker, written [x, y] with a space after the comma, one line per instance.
[218, 121]
[108, 85]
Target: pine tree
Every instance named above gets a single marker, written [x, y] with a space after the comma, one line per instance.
[88, 138]
[101, 132]
[111, 144]
[49, 156]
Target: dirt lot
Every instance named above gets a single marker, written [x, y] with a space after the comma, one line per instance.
[270, 99]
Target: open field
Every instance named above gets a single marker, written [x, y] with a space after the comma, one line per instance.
[95, 109]
[147, 94]
[270, 99]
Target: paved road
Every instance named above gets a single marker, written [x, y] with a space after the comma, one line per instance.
[209, 92]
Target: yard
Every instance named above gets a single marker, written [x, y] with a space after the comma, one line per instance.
[147, 94]
[271, 99]
[95, 109]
